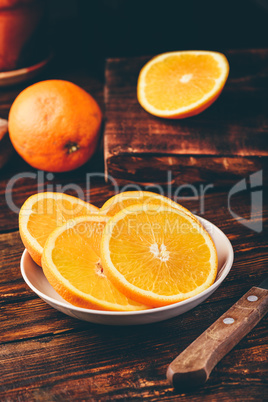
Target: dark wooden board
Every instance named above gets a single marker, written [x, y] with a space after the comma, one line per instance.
[133, 137]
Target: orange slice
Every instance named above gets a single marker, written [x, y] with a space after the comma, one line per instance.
[158, 255]
[71, 263]
[181, 84]
[42, 213]
[123, 200]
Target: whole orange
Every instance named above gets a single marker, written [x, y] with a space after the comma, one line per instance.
[54, 125]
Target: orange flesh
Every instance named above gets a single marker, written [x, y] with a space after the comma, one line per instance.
[76, 257]
[181, 80]
[124, 200]
[167, 256]
[48, 214]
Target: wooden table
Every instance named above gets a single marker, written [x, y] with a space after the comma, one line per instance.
[48, 356]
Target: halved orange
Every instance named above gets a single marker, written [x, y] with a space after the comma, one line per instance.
[42, 213]
[123, 200]
[71, 262]
[158, 255]
[181, 84]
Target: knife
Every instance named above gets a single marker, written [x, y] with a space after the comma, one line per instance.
[194, 365]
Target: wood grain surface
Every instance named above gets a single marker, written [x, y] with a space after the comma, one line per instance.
[195, 363]
[226, 129]
[48, 356]
[6, 148]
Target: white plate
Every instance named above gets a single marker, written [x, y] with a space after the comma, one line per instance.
[36, 280]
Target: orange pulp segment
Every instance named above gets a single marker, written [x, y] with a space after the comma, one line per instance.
[71, 262]
[158, 256]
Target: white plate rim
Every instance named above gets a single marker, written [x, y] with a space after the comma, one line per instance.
[225, 269]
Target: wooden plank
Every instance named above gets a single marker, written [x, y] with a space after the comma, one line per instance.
[124, 363]
[226, 129]
[144, 168]
[21, 305]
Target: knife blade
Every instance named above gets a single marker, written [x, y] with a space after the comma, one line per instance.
[193, 366]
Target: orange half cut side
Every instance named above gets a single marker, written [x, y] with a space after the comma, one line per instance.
[176, 85]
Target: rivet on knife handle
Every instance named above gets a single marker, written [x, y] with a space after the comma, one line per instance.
[194, 365]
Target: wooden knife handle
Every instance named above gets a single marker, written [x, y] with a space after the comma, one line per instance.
[194, 365]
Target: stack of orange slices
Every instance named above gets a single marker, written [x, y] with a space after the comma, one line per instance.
[140, 250]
